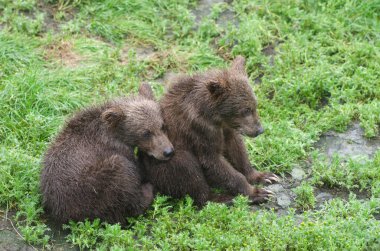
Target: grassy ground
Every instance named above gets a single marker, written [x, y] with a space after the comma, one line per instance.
[313, 64]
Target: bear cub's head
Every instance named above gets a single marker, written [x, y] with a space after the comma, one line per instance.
[234, 99]
[138, 121]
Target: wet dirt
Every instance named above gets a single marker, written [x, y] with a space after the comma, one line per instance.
[285, 196]
[269, 51]
[204, 9]
[141, 53]
[58, 237]
[12, 240]
[349, 144]
[50, 21]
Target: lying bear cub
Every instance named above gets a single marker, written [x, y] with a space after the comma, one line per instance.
[205, 115]
[90, 170]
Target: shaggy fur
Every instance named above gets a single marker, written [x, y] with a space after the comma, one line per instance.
[205, 115]
[90, 170]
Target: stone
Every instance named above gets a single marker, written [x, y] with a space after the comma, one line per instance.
[276, 188]
[298, 173]
[283, 200]
[322, 197]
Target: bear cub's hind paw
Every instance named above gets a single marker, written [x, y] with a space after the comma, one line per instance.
[147, 190]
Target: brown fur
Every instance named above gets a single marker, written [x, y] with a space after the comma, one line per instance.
[90, 170]
[205, 115]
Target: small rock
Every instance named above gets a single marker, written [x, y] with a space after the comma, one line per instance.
[283, 200]
[298, 174]
[377, 216]
[276, 188]
[322, 197]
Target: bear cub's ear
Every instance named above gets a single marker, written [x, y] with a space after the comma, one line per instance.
[238, 65]
[112, 116]
[146, 91]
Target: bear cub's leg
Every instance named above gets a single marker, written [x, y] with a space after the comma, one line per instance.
[180, 176]
[119, 188]
[236, 153]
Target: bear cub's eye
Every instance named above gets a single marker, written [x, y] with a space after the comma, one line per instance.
[246, 112]
[163, 128]
[147, 134]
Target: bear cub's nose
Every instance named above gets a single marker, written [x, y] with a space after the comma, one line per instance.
[168, 152]
[259, 131]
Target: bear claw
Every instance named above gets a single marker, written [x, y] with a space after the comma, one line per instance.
[264, 177]
[268, 181]
[269, 192]
[261, 195]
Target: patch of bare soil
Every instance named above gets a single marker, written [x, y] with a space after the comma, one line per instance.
[63, 52]
[349, 144]
[269, 51]
[142, 53]
[58, 236]
[168, 59]
[12, 240]
[51, 10]
[204, 9]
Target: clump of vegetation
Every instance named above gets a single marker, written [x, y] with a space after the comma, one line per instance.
[350, 174]
[218, 227]
[305, 196]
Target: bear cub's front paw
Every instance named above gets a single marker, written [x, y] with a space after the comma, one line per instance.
[260, 195]
[263, 177]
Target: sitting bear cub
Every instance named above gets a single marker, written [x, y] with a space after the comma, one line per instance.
[90, 170]
[205, 115]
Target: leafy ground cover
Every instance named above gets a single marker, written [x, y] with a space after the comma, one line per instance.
[314, 66]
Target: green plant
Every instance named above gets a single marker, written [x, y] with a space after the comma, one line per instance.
[305, 196]
[349, 173]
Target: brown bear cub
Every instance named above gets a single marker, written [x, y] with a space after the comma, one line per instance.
[205, 115]
[90, 170]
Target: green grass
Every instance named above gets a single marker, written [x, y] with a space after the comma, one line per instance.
[352, 174]
[338, 226]
[57, 56]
